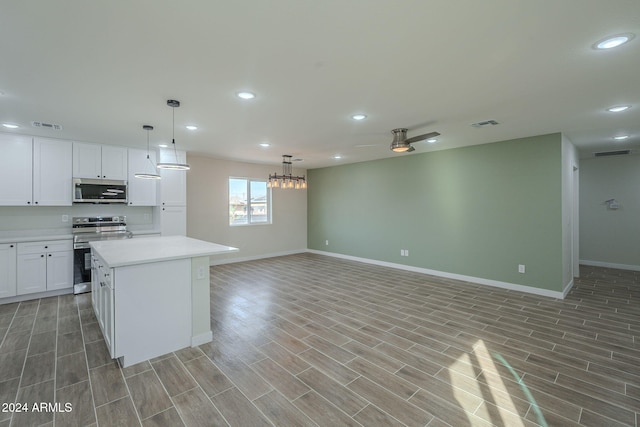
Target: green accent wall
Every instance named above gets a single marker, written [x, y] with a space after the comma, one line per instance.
[477, 211]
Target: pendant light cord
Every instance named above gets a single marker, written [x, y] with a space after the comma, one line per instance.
[173, 133]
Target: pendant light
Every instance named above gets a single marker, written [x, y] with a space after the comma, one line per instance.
[287, 179]
[152, 174]
[176, 165]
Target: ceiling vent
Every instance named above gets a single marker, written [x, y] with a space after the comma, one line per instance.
[612, 153]
[46, 125]
[484, 124]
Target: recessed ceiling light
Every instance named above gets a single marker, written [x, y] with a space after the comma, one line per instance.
[265, 144]
[191, 127]
[162, 145]
[246, 95]
[359, 116]
[337, 157]
[618, 108]
[613, 41]
[431, 140]
[10, 126]
[620, 137]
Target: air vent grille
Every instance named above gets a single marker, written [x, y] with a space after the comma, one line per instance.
[484, 124]
[46, 125]
[612, 153]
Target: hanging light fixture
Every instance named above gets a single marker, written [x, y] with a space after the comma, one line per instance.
[287, 179]
[176, 165]
[152, 174]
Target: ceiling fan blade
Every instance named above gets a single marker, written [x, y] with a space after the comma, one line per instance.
[422, 137]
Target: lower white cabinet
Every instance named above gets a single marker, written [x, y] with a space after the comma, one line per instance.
[44, 266]
[7, 270]
[173, 220]
[102, 296]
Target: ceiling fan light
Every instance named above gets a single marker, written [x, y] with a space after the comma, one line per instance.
[400, 148]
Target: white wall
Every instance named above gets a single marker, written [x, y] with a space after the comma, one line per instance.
[610, 237]
[570, 207]
[208, 211]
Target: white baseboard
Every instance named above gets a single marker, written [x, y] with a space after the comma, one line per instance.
[610, 265]
[566, 289]
[472, 279]
[36, 295]
[256, 257]
[201, 339]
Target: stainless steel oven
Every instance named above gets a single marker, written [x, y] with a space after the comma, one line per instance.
[90, 229]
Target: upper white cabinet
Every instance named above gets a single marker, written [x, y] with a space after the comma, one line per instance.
[36, 172]
[52, 180]
[99, 161]
[16, 172]
[142, 192]
[173, 185]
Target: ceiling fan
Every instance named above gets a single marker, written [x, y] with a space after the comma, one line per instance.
[401, 144]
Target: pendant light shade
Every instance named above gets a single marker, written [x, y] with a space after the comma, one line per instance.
[174, 165]
[152, 174]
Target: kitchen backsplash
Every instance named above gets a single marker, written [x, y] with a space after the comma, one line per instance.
[32, 218]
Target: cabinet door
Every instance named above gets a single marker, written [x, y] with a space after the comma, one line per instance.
[114, 162]
[142, 192]
[173, 221]
[16, 171]
[173, 185]
[59, 270]
[108, 314]
[52, 172]
[7, 270]
[32, 273]
[87, 160]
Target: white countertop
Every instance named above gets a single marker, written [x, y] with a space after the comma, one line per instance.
[19, 236]
[119, 253]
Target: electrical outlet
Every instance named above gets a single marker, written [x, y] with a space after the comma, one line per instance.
[521, 268]
[65, 218]
[326, 243]
[401, 252]
[201, 273]
[406, 252]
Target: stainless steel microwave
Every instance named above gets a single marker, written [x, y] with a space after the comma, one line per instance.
[99, 191]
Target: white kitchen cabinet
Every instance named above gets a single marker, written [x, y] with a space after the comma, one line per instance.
[102, 292]
[173, 185]
[142, 192]
[99, 161]
[44, 266]
[7, 270]
[36, 171]
[52, 179]
[173, 220]
[16, 172]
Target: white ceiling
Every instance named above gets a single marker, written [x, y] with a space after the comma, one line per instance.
[103, 69]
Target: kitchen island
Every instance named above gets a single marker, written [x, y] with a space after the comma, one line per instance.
[151, 295]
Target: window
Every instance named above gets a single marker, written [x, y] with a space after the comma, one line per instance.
[249, 202]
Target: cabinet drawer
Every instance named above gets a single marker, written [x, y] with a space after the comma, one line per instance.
[44, 246]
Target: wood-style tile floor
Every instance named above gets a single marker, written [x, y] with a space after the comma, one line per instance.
[313, 340]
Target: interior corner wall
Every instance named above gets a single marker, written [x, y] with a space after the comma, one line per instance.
[570, 210]
[208, 211]
[476, 211]
[609, 237]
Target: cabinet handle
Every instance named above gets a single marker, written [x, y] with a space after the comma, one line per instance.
[28, 203]
[41, 256]
[10, 246]
[98, 176]
[104, 176]
[49, 254]
[36, 203]
[46, 247]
